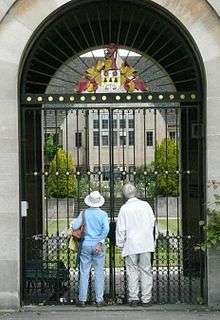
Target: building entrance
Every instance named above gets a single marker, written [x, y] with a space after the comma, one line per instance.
[108, 98]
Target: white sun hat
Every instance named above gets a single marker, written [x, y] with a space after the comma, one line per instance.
[94, 199]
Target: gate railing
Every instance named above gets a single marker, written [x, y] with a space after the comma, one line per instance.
[52, 275]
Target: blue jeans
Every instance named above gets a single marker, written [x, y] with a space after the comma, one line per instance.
[89, 257]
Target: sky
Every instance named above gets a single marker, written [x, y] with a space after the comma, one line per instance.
[100, 53]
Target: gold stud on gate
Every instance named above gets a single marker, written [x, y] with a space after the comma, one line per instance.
[171, 97]
[182, 96]
[150, 97]
[29, 99]
[83, 98]
[193, 96]
[160, 97]
[139, 97]
[104, 98]
[72, 98]
[50, 98]
[128, 97]
[39, 99]
[118, 98]
[61, 98]
[93, 98]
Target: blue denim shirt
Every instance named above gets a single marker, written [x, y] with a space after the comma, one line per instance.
[96, 226]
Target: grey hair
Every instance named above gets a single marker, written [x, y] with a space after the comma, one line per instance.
[129, 191]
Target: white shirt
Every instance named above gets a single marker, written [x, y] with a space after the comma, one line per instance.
[134, 229]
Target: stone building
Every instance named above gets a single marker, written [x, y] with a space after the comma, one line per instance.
[39, 41]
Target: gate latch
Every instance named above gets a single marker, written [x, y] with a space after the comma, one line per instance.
[24, 208]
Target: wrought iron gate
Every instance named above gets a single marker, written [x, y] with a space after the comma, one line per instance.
[72, 143]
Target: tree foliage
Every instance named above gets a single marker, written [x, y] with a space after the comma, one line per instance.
[165, 182]
[166, 165]
[61, 182]
[213, 226]
[145, 181]
[50, 147]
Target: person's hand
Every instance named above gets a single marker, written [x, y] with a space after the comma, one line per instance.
[98, 248]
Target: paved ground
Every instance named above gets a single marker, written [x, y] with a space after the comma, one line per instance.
[114, 313]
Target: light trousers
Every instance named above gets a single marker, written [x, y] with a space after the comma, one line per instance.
[138, 266]
[89, 257]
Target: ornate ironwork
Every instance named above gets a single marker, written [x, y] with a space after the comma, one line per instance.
[114, 138]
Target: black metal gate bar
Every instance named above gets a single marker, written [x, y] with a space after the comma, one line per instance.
[166, 278]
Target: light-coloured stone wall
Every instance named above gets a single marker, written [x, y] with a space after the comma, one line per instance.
[15, 30]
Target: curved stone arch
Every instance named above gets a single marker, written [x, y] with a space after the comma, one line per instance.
[22, 18]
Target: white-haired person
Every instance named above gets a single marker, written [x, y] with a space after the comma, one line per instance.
[92, 252]
[135, 237]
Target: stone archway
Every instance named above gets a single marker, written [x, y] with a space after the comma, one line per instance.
[23, 17]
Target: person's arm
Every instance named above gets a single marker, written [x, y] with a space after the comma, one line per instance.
[105, 229]
[151, 215]
[76, 224]
[120, 230]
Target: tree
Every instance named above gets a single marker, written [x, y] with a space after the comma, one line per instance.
[145, 180]
[61, 182]
[165, 165]
[50, 147]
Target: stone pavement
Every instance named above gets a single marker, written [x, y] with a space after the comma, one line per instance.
[166, 312]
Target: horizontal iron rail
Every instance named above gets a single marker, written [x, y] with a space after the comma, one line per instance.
[118, 98]
[107, 107]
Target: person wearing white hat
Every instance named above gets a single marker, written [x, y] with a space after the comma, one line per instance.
[134, 235]
[93, 245]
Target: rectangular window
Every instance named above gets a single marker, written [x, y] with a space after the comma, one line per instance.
[95, 124]
[95, 138]
[117, 173]
[115, 138]
[104, 123]
[131, 138]
[149, 138]
[104, 139]
[122, 123]
[78, 139]
[131, 123]
[115, 124]
[122, 140]
[172, 135]
[105, 172]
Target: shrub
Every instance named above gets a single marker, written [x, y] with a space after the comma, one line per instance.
[61, 185]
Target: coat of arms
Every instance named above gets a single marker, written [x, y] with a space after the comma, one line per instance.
[110, 74]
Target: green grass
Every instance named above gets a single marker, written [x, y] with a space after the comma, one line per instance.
[172, 224]
[162, 224]
[52, 225]
[165, 256]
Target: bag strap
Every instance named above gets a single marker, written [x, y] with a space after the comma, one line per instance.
[83, 216]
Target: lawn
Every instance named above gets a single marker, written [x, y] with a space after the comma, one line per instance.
[172, 225]
[162, 225]
[165, 254]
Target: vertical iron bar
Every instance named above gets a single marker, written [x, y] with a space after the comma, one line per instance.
[168, 237]
[67, 199]
[24, 196]
[178, 170]
[112, 219]
[145, 161]
[156, 204]
[57, 209]
[187, 173]
[36, 171]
